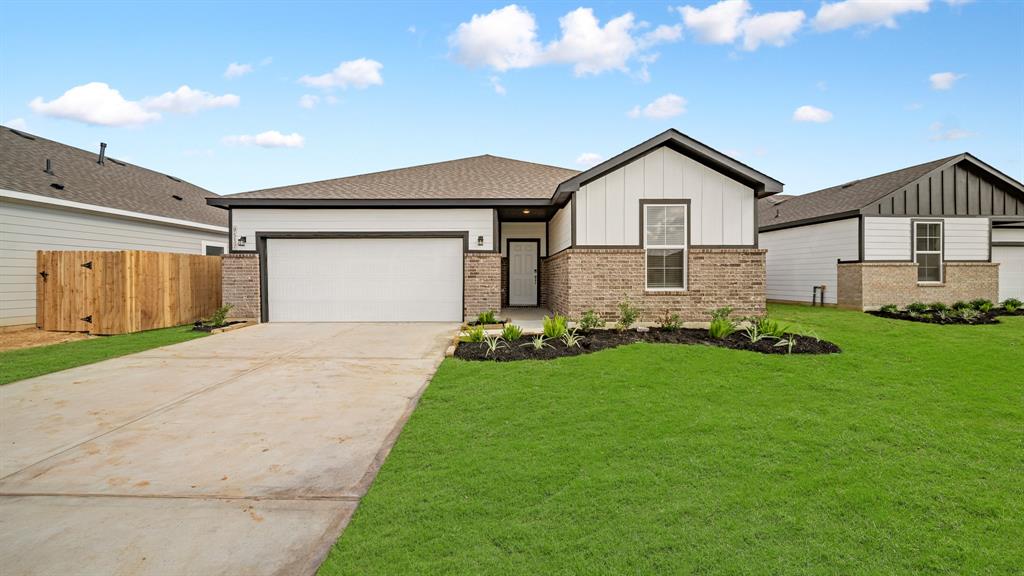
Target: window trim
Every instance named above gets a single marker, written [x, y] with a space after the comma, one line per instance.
[222, 245]
[685, 247]
[941, 251]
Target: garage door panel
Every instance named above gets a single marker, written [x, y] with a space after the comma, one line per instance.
[1011, 271]
[364, 280]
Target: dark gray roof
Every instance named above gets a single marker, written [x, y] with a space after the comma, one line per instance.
[479, 177]
[115, 184]
[849, 197]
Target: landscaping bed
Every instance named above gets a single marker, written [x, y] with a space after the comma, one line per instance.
[201, 327]
[975, 312]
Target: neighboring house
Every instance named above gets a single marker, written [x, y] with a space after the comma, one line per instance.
[947, 230]
[56, 197]
[669, 224]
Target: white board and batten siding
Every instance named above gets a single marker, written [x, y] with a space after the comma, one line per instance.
[608, 208]
[800, 258]
[26, 228]
[476, 221]
[888, 238]
[527, 230]
[560, 228]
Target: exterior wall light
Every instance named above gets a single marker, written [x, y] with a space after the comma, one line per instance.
[479, 240]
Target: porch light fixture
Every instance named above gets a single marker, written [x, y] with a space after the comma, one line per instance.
[241, 240]
[479, 240]
[526, 210]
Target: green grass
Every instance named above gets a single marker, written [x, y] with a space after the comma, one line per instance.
[29, 362]
[904, 454]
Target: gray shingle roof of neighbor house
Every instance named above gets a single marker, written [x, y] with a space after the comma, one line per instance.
[113, 184]
[848, 197]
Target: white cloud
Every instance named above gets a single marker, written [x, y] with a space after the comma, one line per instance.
[502, 39]
[308, 101]
[95, 103]
[268, 139]
[186, 100]
[774, 28]
[17, 124]
[267, 61]
[663, 34]
[411, 29]
[234, 70]
[588, 159]
[718, 23]
[667, 106]
[360, 73]
[591, 48]
[499, 88]
[942, 133]
[868, 13]
[956, 3]
[944, 80]
[812, 114]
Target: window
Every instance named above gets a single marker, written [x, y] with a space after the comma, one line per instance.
[665, 241]
[928, 251]
[213, 248]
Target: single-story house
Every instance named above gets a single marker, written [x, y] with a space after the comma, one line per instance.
[669, 224]
[57, 197]
[947, 230]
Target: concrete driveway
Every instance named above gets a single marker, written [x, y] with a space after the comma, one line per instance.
[240, 453]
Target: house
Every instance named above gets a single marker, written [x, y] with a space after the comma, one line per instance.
[669, 224]
[57, 197]
[947, 230]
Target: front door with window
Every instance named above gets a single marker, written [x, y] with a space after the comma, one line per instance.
[522, 273]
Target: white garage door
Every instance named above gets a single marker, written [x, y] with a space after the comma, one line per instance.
[1011, 271]
[364, 279]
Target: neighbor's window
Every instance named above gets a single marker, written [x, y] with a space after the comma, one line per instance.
[213, 249]
[928, 251]
[665, 241]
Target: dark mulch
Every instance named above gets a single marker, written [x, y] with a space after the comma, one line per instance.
[930, 317]
[1004, 312]
[604, 339]
[200, 327]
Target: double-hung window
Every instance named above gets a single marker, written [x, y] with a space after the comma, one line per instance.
[665, 243]
[928, 251]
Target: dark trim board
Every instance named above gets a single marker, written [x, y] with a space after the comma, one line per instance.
[261, 249]
[508, 279]
[1008, 244]
[815, 220]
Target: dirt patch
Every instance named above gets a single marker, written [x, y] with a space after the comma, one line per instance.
[31, 337]
[604, 339]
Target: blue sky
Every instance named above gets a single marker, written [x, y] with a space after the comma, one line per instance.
[811, 93]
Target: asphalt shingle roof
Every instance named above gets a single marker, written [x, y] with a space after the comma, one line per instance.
[478, 177]
[115, 184]
[854, 195]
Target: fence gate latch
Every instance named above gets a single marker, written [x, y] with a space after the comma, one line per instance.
[87, 319]
[44, 274]
[88, 265]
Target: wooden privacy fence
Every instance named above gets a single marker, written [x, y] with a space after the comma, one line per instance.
[125, 291]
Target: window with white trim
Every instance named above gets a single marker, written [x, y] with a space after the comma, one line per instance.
[214, 248]
[928, 251]
[665, 243]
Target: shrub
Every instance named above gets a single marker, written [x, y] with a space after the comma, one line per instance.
[1012, 304]
[628, 315]
[981, 304]
[772, 328]
[968, 314]
[493, 344]
[670, 322]
[917, 307]
[570, 339]
[489, 317]
[511, 332]
[938, 307]
[721, 327]
[538, 342]
[788, 342]
[722, 312]
[752, 329]
[960, 305]
[474, 334]
[220, 316]
[555, 326]
[889, 309]
[590, 320]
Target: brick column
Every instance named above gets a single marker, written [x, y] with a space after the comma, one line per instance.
[240, 284]
[481, 288]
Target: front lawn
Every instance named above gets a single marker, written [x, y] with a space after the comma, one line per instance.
[901, 455]
[30, 362]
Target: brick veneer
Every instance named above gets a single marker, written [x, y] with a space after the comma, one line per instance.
[869, 285]
[504, 282]
[579, 279]
[481, 282]
[240, 284]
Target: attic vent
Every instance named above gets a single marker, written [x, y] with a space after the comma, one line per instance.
[56, 186]
[118, 162]
[22, 134]
[176, 197]
[172, 178]
[850, 183]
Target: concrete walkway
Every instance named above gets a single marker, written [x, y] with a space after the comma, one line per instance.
[240, 453]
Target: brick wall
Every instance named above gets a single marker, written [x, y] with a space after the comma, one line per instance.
[240, 284]
[504, 282]
[481, 283]
[580, 279]
[881, 283]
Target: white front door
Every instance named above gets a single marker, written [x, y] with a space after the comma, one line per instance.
[1011, 271]
[522, 273]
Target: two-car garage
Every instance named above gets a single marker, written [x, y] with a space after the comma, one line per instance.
[375, 279]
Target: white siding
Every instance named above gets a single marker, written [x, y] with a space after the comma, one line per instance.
[1008, 234]
[966, 239]
[561, 229]
[608, 209]
[803, 257]
[887, 239]
[476, 221]
[518, 230]
[26, 228]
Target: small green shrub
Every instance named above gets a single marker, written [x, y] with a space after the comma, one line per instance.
[628, 314]
[493, 344]
[981, 304]
[670, 322]
[968, 314]
[721, 327]
[889, 309]
[590, 320]
[474, 334]
[538, 342]
[752, 329]
[511, 332]
[960, 305]
[771, 328]
[917, 307]
[489, 317]
[1012, 304]
[571, 339]
[938, 307]
[220, 316]
[555, 326]
[722, 312]
[788, 342]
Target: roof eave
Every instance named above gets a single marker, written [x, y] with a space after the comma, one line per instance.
[227, 202]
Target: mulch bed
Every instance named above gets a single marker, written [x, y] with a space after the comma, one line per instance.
[200, 327]
[604, 339]
[930, 317]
